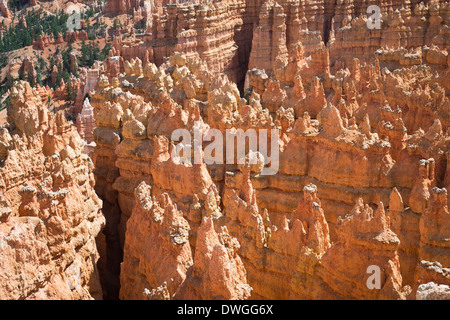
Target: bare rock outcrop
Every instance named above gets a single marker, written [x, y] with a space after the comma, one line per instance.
[86, 126]
[4, 9]
[331, 135]
[50, 214]
[432, 291]
[157, 228]
[157, 250]
[349, 115]
[364, 229]
[434, 263]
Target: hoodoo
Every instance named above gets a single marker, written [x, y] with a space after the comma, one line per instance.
[227, 150]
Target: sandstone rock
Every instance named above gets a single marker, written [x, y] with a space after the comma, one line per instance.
[50, 214]
[4, 9]
[336, 147]
[357, 109]
[269, 38]
[86, 125]
[432, 291]
[218, 272]
[156, 220]
[363, 228]
[29, 114]
[433, 228]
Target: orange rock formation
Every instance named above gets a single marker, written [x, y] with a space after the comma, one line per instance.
[294, 245]
[50, 214]
[358, 208]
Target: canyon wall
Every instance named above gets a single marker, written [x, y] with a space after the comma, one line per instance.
[231, 35]
[363, 120]
[358, 116]
[219, 32]
[50, 215]
[294, 227]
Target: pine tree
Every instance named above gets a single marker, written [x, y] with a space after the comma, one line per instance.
[30, 79]
[70, 92]
[38, 76]
[84, 54]
[58, 80]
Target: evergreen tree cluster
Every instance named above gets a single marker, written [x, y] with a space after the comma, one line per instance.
[140, 26]
[91, 52]
[16, 5]
[17, 36]
[38, 22]
[95, 30]
[117, 24]
[64, 71]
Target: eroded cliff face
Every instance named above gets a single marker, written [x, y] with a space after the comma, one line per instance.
[286, 235]
[50, 214]
[360, 186]
[233, 36]
[164, 266]
[219, 32]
